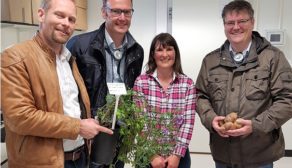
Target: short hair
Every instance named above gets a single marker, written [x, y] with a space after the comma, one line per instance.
[105, 1]
[46, 4]
[164, 39]
[238, 5]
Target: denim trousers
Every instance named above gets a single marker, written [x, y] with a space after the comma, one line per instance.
[185, 162]
[116, 164]
[79, 163]
[220, 165]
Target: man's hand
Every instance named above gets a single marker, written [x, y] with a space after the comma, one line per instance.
[90, 127]
[220, 130]
[245, 130]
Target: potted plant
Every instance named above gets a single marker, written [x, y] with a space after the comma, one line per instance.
[129, 124]
[138, 135]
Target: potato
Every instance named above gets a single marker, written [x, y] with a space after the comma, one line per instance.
[233, 127]
[227, 119]
[230, 122]
[233, 116]
[237, 124]
[228, 125]
[221, 123]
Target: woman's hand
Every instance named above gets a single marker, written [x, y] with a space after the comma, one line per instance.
[158, 162]
[172, 161]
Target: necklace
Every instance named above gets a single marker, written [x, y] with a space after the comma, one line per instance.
[117, 54]
[238, 57]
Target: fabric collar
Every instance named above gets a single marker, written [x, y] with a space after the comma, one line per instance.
[65, 54]
[155, 75]
[111, 44]
[244, 52]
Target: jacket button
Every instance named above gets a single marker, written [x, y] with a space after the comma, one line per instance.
[255, 77]
[216, 79]
[232, 89]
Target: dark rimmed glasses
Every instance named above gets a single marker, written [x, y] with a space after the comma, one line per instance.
[118, 12]
[240, 23]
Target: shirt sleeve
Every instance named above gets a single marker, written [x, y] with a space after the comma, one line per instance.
[186, 130]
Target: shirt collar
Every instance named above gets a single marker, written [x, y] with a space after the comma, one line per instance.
[244, 52]
[155, 75]
[65, 54]
[110, 41]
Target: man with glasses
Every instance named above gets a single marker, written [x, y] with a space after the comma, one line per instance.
[249, 76]
[108, 55]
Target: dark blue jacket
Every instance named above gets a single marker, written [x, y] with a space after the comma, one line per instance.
[89, 50]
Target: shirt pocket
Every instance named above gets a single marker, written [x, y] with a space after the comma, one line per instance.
[217, 86]
[257, 84]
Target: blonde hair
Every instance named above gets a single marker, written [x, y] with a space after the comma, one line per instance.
[45, 4]
[105, 1]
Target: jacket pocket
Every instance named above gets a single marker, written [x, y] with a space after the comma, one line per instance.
[217, 86]
[286, 78]
[47, 151]
[257, 83]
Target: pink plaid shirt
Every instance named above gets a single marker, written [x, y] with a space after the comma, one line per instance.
[181, 94]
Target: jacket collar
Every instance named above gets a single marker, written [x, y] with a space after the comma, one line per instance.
[50, 53]
[37, 38]
[258, 45]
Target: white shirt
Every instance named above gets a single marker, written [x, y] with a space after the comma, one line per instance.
[244, 52]
[69, 93]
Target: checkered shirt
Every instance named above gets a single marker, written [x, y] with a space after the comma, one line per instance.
[181, 94]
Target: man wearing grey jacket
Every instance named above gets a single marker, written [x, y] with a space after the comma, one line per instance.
[249, 76]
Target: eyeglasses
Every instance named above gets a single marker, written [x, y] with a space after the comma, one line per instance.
[240, 23]
[118, 12]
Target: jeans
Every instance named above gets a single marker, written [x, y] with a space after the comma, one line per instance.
[117, 164]
[185, 162]
[79, 163]
[221, 165]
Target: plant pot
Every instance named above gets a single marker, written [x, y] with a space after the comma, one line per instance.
[103, 148]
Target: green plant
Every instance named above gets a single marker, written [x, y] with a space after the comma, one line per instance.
[143, 134]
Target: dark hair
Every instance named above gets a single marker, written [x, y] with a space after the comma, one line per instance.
[46, 4]
[105, 1]
[164, 39]
[238, 5]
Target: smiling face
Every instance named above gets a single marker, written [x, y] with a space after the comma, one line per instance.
[57, 22]
[238, 27]
[117, 24]
[164, 56]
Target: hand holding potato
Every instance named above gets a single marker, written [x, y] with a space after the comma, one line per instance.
[230, 122]
[216, 126]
